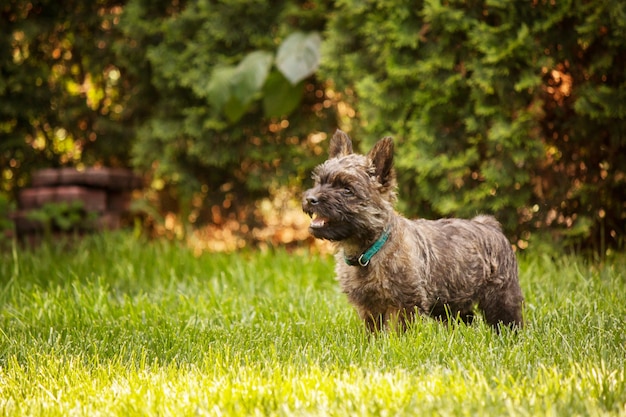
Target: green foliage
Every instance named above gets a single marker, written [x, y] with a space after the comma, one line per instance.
[159, 331]
[232, 89]
[299, 55]
[192, 88]
[240, 84]
[64, 216]
[511, 108]
[62, 96]
[280, 97]
[229, 77]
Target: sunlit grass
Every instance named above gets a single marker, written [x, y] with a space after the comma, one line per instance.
[116, 326]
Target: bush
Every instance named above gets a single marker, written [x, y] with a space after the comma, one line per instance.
[222, 128]
[510, 108]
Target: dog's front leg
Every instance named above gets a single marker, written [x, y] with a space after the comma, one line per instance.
[375, 322]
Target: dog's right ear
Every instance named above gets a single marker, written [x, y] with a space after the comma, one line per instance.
[340, 145]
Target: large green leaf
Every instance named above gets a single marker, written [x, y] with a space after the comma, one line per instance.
[231, 89]
[235, 109]
[299, 56]
[218, 88]
[250, 75]
[280, 97]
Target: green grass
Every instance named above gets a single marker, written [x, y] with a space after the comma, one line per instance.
[120, 327]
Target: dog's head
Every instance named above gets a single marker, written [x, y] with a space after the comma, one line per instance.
[353, 195]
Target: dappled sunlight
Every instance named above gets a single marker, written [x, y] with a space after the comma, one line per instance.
[559, 84]
[279, 222]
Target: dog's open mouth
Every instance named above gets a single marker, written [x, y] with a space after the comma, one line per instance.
[318, 222]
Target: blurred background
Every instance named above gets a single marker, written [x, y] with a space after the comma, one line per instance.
[222, 109]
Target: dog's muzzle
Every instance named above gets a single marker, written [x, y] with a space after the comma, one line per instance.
[309, 205]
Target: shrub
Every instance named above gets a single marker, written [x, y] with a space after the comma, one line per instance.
[510, 108]
[222, 127]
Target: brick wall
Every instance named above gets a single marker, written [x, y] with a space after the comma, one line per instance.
[105, 194]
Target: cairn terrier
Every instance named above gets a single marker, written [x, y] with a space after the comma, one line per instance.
[391, 267]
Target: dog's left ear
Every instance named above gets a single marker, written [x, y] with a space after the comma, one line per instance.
[381, 156]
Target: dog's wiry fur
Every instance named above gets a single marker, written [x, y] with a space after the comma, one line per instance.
[442, 268]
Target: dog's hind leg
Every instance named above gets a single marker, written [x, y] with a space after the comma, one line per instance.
[504, 307]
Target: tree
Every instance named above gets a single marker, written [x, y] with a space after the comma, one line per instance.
[511, 108]
[202, 96]
[222, 126]
[62, 94]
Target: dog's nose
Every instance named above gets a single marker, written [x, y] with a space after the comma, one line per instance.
[312, 200]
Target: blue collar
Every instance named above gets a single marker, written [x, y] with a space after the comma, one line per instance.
[366, 256]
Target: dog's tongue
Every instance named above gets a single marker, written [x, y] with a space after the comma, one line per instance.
[318, 222]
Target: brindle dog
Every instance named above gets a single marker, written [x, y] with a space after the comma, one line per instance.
[391, 267]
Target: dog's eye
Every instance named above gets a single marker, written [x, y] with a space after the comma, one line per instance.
[348, 191]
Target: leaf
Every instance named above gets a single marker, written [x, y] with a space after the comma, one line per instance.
[218, 88]
[280, 97]
[250, 75]
[299, 56]
[235, 109]
[230, 89]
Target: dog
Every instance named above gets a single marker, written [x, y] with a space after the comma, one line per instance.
[392, 268]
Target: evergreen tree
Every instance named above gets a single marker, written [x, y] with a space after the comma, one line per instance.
[511, 108]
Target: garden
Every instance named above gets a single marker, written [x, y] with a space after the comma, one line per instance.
[154, 256]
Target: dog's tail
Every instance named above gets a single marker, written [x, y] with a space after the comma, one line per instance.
[488, 221]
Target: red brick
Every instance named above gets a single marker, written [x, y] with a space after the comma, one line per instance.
[31, 198]
[44, 177]
[109, 178]
[70, 176]
[94, 200]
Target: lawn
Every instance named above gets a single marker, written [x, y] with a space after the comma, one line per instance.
[116, 326]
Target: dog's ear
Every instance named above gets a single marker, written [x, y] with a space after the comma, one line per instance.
[381, 156]
[340, 145]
